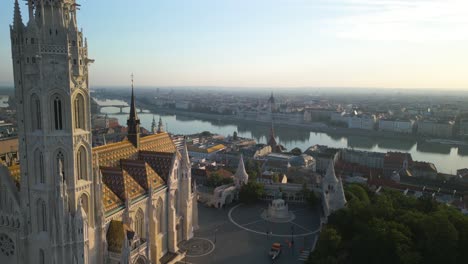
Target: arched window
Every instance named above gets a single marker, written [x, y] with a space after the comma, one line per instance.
[85, 203]
[58, 122]
[81, 163]
[79, 112]
[41, 216]
[39, 166]
[41, 256]
[139, 223]
[159, 213]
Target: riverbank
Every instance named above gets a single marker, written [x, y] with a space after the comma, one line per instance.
[312, 127]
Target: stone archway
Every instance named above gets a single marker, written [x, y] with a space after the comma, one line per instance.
[140, 260]
[228, 199]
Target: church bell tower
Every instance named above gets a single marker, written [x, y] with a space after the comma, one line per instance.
[50, 63]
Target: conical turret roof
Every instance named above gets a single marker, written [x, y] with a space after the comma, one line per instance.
[17, 20]
[330, 176]
[241, 174]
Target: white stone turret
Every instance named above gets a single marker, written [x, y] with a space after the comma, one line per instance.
[154, 129]
[333, 194]
[160, 126]
[241, 177]
[186, 193]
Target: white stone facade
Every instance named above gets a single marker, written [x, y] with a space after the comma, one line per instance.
[333, 197]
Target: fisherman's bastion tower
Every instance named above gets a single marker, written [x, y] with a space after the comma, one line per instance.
[66, 202]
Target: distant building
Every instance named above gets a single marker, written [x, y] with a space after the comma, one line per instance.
[436, 128]
[272, 104]
[424, 170]
[322, 155]
[395, 125]
[268, 178]
[277, 162]
[205, 151]
[463, 174]
[303, 161]
[367, 122]
[396, 161]
[365, 158]
[463, 127]
[340, 118]
[317, 114]
[256, 151]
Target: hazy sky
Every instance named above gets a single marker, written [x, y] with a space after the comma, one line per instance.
[270, 43]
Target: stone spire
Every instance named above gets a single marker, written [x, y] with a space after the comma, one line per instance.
[154, 130]
[133, 123]
[160, 125]
[185, 156]
[241, 177]
[17, 20]
[272, 140]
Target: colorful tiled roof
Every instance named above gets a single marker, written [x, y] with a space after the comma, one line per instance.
[121, 183]
[110, 200]
[15, 173]
[111, 154]
[116, 235]
[142, 173]
[160, 162]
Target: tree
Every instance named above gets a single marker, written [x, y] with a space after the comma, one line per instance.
[296, 151]
[206, 133]
[309, 196]
[357, 191]
[393, 228]
[251, 192]
[234, 136]
[215, 180]
[328, 245]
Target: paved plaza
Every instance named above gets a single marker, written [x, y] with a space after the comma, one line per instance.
[239, 234]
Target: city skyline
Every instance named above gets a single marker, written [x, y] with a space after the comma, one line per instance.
[339, 43]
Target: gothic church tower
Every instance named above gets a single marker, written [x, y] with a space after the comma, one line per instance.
[50, 62]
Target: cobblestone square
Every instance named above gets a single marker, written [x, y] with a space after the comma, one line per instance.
[238, 234]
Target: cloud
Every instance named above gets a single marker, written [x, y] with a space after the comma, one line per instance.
[398, 20]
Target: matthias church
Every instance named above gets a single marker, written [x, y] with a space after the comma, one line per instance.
[67, 202]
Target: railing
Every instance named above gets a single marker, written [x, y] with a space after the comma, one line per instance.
[138, 249]
[56, 49]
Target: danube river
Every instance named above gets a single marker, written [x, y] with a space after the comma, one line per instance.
[446, 158]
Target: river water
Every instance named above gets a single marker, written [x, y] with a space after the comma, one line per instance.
[447, 159]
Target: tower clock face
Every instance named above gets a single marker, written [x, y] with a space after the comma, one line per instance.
[7, 247]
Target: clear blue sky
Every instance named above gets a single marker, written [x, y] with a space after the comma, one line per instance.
[270, 43]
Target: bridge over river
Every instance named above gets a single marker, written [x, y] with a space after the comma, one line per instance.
[101, 104]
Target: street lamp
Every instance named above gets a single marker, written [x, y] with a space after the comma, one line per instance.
[216, 230]
[292, 239]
